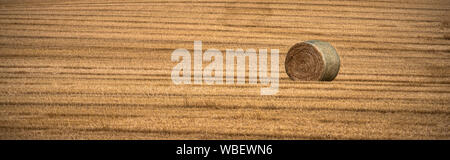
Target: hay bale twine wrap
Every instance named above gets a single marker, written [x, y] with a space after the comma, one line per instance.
[312, 60]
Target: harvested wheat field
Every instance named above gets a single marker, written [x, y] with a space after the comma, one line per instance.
[102, 70]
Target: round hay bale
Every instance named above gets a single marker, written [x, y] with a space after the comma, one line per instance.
[312, 60]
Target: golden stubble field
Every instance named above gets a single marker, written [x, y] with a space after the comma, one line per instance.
[101, 70]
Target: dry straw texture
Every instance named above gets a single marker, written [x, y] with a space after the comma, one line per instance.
[312, 60]
[101, 70]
